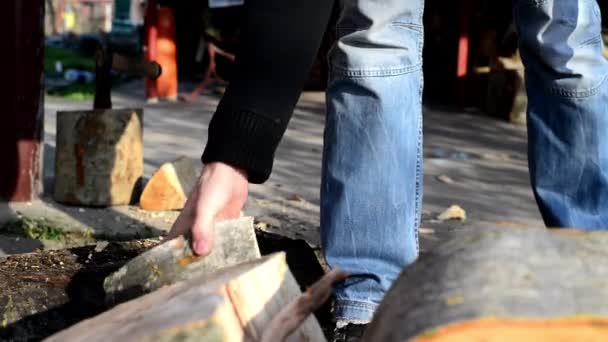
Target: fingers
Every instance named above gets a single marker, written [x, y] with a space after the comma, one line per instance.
[220, 194]
[202, 235]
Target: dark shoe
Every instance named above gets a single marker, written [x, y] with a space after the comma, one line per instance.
[349, 333]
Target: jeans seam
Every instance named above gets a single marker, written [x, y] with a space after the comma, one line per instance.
[415, 27]
[419, 147]
[383, 72]
[356, 304]
[578, 93]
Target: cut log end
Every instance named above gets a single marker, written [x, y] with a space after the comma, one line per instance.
[521, 330]
[163, 191]
[169, 186]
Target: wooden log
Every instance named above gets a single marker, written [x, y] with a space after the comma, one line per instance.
[174, 261]
[170, 185]
[234, 304]
[99, 158]
[501, 285]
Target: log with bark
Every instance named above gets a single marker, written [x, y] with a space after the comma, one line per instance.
[254, 301]
[502, 285]
[174, 260]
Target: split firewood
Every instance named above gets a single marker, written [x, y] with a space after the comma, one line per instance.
[234, 304]
[501, 284]
[99, 159]
[292, 316]
[170, 185]
[174, 260]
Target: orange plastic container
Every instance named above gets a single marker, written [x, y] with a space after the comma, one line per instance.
[166, 54]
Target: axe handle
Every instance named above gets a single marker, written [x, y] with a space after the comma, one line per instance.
[134, 67]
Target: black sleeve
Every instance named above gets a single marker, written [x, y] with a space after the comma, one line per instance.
[279, 41]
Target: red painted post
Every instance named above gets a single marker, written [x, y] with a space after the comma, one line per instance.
[167, 55]
[22, 118]
[463, 51]
[150, 46]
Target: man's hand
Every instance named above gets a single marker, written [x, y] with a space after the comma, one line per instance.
[220, 194]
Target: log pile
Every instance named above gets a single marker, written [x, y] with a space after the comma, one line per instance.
[253, 301]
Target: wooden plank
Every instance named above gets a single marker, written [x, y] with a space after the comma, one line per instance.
[508, 273]
[234, 304]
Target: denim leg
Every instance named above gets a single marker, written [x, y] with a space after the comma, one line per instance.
[371, 187]
[561, 46]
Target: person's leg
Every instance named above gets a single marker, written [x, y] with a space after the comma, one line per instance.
[567, 82]
[372, 168]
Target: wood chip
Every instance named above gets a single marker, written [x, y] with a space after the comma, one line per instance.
[454, 212]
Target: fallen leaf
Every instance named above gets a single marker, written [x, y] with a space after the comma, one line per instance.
[296, 198]
[445, 179]
[426, 231]
[454, 212]
[454, 301]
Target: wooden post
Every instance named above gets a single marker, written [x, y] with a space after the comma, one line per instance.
[463, 52]
[22, 99]
[167, 54]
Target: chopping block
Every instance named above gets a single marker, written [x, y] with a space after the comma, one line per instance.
[99, 152]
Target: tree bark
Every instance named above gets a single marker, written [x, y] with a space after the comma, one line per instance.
[173, 261]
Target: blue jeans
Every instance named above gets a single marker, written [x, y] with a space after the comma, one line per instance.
[566, 79]
[371, 189]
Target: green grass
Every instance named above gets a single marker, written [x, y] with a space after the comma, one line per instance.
[70, 60]
[76, 91]
[42, 229]
[33, 229]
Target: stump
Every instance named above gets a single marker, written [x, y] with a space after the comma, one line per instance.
[99, 158]
[502, 285]
[170, 185]
[234, 304]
